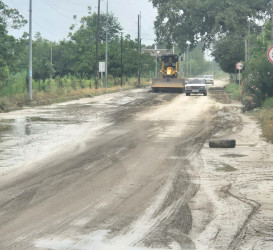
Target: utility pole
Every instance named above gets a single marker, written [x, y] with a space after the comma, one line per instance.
[156, 53]
[30, 53]
[97, 46]
[121, 58]
[272, 24]
[106, 48]
[190, 63]
[139, 51]
[248, 45]
[51, 54]
[51, 60]
[188, 60]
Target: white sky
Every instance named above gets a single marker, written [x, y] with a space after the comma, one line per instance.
[52, 18]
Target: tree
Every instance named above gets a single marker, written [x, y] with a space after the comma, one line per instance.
[180, 21]
[258, 86]
[84, 39]
[9, 19]
[229, 50]
[42, 67]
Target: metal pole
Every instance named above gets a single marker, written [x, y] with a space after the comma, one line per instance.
[248, 47]
[51, 54]
[106, 48]
[156, 65]
[97, 46]
[272, 24]
[30, 53]
[121, 58]
[188, 61]
[138, 73]
[51, 59]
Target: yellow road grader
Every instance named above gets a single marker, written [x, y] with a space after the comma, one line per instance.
[169, 75]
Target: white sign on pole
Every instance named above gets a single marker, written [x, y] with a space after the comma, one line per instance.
[270, 54]
[101, 67]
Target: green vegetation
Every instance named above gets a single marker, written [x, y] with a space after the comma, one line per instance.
[71, 69]
[234, 90]
[59, 90]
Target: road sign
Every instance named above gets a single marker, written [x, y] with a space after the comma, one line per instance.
[270, 54]
[239, 66]
[101, 66]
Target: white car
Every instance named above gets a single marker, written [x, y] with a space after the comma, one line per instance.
[196, 86]
[209, 79]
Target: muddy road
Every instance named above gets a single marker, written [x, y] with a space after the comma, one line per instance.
[133, 170]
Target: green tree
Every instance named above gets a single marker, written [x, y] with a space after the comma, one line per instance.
[257, 87]
[229, 50]
[84, 41]
[180, 21]
[9, 19]
[42, 67]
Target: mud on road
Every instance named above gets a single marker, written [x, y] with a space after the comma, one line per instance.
[133, 170]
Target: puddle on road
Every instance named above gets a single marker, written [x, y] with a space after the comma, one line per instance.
[225, 168]
[95, 240]
[29, 136]
[233, 155]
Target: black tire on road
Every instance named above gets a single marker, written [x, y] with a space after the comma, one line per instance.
[187, 94]
[205, 94]
[222, 143]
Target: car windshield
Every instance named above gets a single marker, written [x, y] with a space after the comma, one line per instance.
[208, 76]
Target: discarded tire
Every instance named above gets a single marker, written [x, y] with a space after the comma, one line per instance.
[222, 143]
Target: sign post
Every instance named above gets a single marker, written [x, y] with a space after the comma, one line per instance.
[101, 70]
[270, 54]
[239, 66]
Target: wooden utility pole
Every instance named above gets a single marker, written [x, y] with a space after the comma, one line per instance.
[97, 47]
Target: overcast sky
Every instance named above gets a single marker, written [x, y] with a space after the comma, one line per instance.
[52, 18]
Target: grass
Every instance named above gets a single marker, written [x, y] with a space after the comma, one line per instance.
[263, 115]
[234, 90]
[60, 90]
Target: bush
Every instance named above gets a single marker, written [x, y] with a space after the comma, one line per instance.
[268, 103]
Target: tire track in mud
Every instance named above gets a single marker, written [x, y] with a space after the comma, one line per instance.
[255, 208]
[172, 220]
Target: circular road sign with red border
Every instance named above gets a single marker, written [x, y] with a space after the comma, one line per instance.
[270, 54]
[239, 66]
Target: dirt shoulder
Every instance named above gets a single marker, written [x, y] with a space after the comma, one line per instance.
[238, 185]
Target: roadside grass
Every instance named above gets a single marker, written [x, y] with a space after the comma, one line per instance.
[234, 90]
[61, 90]
[264, 115]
